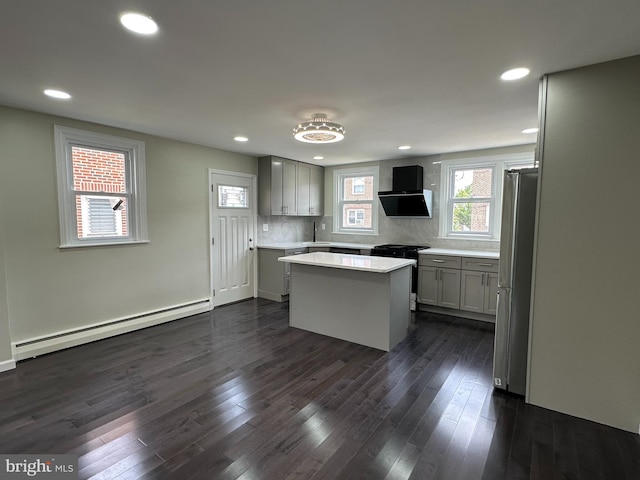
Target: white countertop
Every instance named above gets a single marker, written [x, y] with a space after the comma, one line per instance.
[460, 253]
[349, 262]
[288, 245]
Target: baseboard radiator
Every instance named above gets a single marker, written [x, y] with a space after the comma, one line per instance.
[33, 347]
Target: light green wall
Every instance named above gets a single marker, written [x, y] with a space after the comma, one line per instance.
[585, 343]
[49, 289]
[5, 333]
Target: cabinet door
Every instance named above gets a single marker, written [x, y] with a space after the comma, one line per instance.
[491, 293]
[277, 176]
[472, 291]
[428, 285]
[304, 178]
[449, 291]
[316, 191]
[289, 180]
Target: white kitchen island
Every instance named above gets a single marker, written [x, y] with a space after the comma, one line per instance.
[358, 298]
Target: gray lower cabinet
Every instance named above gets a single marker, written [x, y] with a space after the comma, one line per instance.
[467, 284]
[439, 286]
[479, 286]
[274, 276]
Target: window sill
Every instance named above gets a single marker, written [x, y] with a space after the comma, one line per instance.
[470, 238]
[105, 244]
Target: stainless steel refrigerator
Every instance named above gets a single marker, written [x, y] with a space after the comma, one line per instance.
[514, 279]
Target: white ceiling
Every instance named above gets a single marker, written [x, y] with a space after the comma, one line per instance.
[417, 72]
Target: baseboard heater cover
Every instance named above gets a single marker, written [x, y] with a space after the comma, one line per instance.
[78, 336]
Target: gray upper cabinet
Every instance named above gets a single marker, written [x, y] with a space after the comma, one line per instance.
[316, 191]
[310, 189]
[277, 179]
[287, 187]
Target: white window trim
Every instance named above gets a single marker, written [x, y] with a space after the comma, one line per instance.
[499, 163]
[65, 138]
[338, 175]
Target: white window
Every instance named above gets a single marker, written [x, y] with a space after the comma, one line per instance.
[356, 204]
[471, 195]
[101, 188]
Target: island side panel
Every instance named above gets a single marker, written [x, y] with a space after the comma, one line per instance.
[351, 305]
[400, 307]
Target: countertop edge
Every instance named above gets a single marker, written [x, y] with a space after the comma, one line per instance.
[393, 263]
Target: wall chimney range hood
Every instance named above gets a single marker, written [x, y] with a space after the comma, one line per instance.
[408, 198]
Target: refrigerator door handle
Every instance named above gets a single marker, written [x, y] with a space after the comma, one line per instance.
[501, 340]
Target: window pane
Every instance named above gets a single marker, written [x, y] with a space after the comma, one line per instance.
[101, 216]
[98, 170]
[357, 216]
[470, 217]
[232, 196]
[357, 188]
[473, 183]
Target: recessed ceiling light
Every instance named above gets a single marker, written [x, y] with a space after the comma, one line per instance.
[139, 23]
[57, 94]
[530, 130]
[240, 138]
[515, 74]
[404, 147]
[318, 157]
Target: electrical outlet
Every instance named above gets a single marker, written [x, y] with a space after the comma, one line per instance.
[265, 227]
[323, 226]
[497, 382]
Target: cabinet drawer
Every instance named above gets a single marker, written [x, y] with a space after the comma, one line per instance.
[444, 261]
[480, 264]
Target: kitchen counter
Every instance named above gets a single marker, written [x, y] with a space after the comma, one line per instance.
[360, 299]
[349, 262]
[287, 245]
[460, 253]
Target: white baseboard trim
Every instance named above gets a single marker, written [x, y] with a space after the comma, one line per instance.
[7, 365]
[32, 347]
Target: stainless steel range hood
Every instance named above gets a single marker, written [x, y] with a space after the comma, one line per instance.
[408, 198]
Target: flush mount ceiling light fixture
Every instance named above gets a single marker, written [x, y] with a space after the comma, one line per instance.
[319, 130]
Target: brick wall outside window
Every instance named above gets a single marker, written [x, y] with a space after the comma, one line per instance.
[98, 171]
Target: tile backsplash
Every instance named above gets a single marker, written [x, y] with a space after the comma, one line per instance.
[286, 229]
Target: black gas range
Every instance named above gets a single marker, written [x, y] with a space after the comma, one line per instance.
[399, 251]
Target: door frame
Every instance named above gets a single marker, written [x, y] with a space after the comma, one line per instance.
[254, 206]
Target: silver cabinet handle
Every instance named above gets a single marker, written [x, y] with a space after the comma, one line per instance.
[482, 280]
[438, 261]
[485, 264]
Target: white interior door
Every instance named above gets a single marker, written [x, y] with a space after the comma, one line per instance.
[233, 227]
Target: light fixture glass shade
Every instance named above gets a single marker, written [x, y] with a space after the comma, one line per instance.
[319, 130]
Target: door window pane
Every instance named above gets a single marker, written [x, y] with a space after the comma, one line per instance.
[230, 196]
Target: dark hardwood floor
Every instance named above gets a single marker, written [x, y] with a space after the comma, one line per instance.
[236, 393]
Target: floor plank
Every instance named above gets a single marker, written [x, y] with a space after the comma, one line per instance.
[238, 394]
